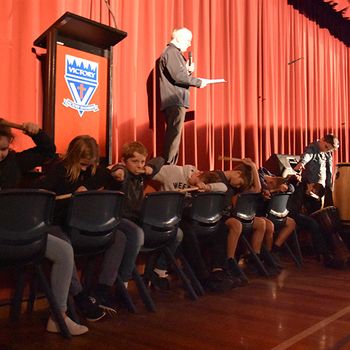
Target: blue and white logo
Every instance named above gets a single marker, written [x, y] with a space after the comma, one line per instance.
[81, 76]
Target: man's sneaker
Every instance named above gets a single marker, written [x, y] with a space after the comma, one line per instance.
[105, 299]
[219, 281]
[88, 307]
[73, 328]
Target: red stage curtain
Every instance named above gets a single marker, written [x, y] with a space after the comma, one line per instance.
[287, 78]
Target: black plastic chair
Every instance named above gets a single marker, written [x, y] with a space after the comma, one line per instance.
[160, 217]
[93, 217]
[203, 217]
[277, 212]
[25, 217]
[244, 211]
[206, 211]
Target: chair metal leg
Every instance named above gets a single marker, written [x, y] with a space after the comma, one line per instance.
[71, 310]
[298, 256]
[194, 280]
[297, 247]
[269, 257]
[53, 304]
[181, 274]
[259, 263]
[143, 290]
[16, 302]
[124, 294]
[88, 273]
[32, 293]
[239, 270]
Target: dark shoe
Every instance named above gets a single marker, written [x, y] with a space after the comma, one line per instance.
[105, 299]
[277, 260]
[236, 272]
[88, 307]
[157, 282]
[219, 281]
[333, 263]
[271, 260]
[254, 267]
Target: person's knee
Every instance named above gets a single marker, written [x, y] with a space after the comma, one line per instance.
[120, 238]
[179, 235]
[270, 228]
[60, 251]
[139, 237]
[134, 233]
[259, 224]
[290, 223]
[234, 226]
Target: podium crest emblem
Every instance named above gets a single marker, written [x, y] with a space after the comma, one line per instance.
[81, 76]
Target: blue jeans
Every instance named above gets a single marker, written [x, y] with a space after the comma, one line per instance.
[134, 241]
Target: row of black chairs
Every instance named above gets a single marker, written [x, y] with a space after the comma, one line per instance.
[245, 211]
[26, 216]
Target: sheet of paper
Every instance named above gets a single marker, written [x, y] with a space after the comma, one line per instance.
[215, 81]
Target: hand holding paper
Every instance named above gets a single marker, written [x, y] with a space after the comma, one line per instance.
[206, 82]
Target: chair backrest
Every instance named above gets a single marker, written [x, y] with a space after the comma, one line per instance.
[160, 215]
[277, 205]
[92, 218]
[25, 216]
[203, 217]
[207, 207]
[245, 208]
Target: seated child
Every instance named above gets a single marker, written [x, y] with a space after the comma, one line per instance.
[129, 176]
[79, 170]
[244, 177]
[272, 184]
[174, 177]
[12, 167]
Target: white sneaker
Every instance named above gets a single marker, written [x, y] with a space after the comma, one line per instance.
[74, 328]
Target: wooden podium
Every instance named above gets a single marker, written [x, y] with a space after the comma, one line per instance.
[77, 80]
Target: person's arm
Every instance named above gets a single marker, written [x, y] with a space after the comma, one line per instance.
[153, 166]
[217, 187]
[44, 150]
[329, 171]
[53, 179]
[262, 172]
[119, 175]
[256, 187]
[175, 65]
[163, 175]
[305, 157]
[100, 180]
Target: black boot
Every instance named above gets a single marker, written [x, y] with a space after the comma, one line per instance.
[236, 272]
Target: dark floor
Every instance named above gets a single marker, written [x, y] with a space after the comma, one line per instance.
[300, 309]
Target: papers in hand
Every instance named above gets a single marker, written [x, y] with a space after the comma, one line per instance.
[213, 81]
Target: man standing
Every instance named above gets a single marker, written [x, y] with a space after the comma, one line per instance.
[175, 80]
[316, 163]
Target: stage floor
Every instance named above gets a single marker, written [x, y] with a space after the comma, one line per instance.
[306, 309]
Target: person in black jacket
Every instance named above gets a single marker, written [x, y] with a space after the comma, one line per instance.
[79, 170]
[13, 165]
[129, 177]
[174, 82]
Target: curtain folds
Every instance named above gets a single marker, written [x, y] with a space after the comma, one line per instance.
[287, 78]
